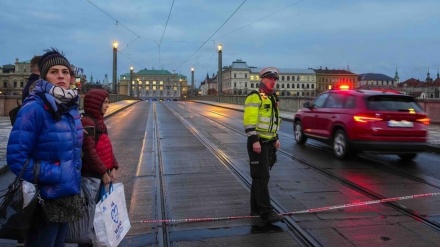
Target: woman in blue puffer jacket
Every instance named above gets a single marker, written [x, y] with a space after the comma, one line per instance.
[49, 133]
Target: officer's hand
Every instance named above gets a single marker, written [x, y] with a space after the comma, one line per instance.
[256, 147]
[277, 144]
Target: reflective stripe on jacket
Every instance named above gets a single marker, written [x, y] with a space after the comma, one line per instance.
[261, 119]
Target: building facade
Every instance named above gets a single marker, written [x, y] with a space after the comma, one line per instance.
[154, 85]
[297, 82]
[13, 77]
[327, 79]
[376, 80]
[429, 89]
[240, 79]
[209, 85]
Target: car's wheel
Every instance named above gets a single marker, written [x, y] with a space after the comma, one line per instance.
[300, 138]
[407, 157]
[340, 144]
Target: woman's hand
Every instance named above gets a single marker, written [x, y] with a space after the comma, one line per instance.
[106, 179]
[113, 174]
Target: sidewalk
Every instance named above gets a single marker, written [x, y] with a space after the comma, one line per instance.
[5, 128]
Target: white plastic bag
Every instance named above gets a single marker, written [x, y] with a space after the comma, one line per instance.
[111, 220]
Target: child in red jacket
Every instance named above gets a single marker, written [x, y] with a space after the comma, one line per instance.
[99, 162]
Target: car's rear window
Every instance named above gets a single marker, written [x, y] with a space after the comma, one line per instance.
[393, 103]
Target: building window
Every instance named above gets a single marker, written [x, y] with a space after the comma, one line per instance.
[235, 75]
[245, 75]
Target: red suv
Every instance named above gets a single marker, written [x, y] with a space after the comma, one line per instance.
[364, 120]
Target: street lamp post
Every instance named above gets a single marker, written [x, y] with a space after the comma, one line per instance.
[115, 58]
[219, 73]
[137, 88]
[192, 81]
[180, 88]
[131, 81]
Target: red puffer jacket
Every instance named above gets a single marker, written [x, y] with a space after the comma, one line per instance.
[98, 156]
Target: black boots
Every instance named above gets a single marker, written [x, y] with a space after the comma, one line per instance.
[272, 217]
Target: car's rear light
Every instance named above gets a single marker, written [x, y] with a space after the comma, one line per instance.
[425, 120]
[366, 119]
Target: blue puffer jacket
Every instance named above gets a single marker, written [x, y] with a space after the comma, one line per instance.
[53, 145]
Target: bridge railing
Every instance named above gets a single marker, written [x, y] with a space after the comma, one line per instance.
[289, 103]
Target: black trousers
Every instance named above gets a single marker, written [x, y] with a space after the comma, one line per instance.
[259, 166]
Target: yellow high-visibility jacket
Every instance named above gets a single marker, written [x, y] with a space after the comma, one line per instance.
[261, 118]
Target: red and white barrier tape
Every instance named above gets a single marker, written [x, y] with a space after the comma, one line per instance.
[313, 210]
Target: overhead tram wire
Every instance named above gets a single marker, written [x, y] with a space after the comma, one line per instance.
[163, 33]
[117, 22]
[166, 24]
[212, 34]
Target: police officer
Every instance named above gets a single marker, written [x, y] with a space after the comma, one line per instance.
[261, 121]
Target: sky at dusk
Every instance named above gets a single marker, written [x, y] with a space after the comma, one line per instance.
[366, 36]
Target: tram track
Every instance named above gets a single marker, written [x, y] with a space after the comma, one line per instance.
[169, 233]
[163, 238]
[165, 230]
[350, 184]
[297, 232]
